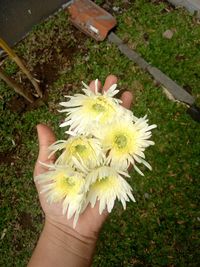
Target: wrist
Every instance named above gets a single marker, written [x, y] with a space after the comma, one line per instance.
[70, 240]
[61, 246]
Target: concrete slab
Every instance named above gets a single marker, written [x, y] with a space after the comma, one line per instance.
[177, 91]
[193, 6]
[17, 17]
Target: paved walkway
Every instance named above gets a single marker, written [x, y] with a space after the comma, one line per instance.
[191, 5]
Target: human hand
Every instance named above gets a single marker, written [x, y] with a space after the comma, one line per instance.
[90, 221]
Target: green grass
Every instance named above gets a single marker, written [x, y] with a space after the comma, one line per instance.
[161, 228]
[143, 25]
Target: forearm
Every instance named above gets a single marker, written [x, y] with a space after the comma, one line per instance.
[60, 248]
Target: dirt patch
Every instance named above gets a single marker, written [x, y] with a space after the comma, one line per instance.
[18, 244]
[26, 222]
[17, 104]
[20, 105]
[78, 36]
[68, 52]
[46, 73]
[7, 157]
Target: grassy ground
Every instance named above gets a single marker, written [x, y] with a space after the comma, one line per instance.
[161, 228]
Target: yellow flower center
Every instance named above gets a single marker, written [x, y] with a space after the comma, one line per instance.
[98, 107]
[104, 179]
[120, 141]
[65, 185]
[104, 184]
[69, 181]
[80, 148]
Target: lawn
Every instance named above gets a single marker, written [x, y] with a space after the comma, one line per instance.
[161, 228]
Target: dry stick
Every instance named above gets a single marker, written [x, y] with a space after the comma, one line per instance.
[18, 61]
[20, 90]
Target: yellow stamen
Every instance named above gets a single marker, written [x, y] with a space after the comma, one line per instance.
[121, 140]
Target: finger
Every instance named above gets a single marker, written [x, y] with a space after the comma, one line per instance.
[127, 98]
[46, 137]
[110, 80]
[95, 84]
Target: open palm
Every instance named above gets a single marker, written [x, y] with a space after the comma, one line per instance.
[90, 221]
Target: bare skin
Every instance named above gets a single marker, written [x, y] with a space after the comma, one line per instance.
[60, 244]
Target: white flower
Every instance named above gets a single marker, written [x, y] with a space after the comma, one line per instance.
[125, 142]
[85, 111]
[64, 185]
[106, 185]
[105, 140]
[84, 148]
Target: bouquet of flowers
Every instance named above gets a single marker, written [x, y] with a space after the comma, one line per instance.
[105, 139]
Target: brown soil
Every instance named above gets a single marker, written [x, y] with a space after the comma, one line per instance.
[7, 157]
[26, 221]
[47, 73]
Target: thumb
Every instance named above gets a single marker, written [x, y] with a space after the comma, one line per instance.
[46, 137]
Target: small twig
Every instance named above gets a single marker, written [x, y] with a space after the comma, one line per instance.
[12, 83]
[18, 61]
